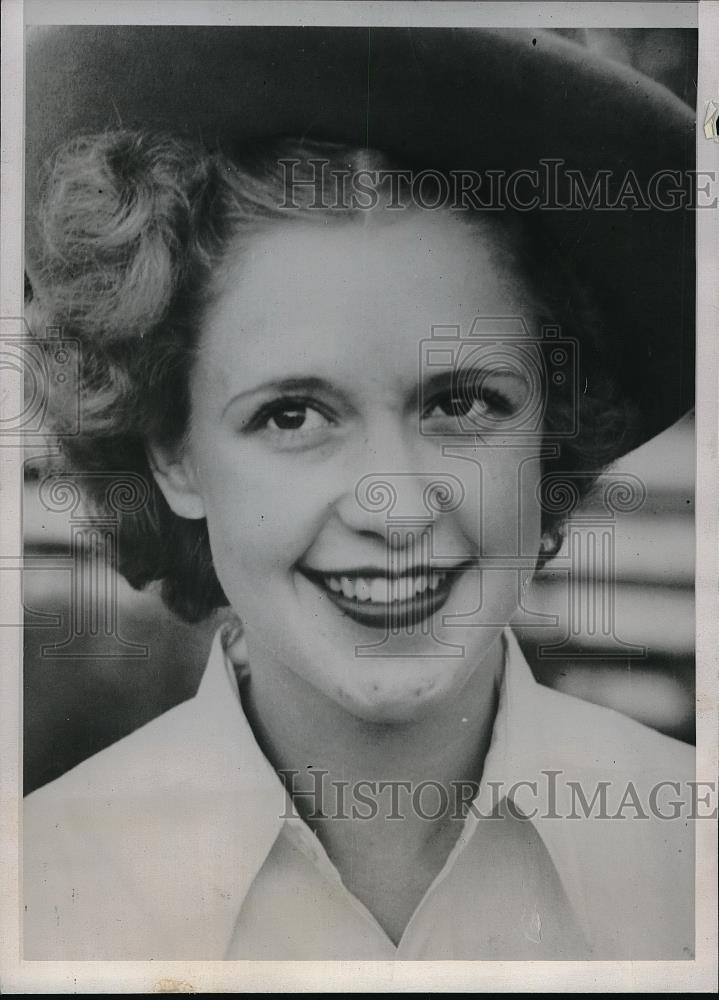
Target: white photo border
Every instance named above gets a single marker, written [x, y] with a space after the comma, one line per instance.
[130, 977]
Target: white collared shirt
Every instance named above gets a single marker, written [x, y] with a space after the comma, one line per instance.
[177, 843]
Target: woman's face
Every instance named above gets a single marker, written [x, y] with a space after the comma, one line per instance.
[315, 397]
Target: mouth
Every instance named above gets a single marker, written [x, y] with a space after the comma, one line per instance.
[373, 598]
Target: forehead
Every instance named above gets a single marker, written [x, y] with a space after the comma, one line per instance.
[335, 295]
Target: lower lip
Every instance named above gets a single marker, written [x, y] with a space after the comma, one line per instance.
[395, 616]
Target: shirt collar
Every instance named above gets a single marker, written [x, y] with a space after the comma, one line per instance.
[517, 729]
[254, 800]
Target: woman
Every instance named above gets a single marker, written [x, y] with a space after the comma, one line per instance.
[347, 423]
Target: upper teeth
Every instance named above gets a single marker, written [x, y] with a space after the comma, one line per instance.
[381, 590]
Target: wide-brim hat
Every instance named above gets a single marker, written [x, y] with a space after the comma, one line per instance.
[452, 99]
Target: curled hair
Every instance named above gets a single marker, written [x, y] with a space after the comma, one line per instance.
[133, 230]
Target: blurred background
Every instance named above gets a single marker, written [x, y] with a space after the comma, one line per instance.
[102, 659]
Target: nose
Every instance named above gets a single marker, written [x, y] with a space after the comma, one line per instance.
[393, 493]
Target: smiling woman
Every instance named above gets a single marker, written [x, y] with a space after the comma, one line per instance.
[130, 195]
[351, 419]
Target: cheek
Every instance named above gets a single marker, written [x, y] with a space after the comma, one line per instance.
[501, 511]
[529, 513]
[257, 523]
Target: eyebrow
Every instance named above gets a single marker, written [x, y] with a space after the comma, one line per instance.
[307, 384]
[450, 375]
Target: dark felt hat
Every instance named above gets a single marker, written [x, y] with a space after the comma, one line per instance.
[452, 99]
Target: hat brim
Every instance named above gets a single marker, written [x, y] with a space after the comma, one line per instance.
[455, 99]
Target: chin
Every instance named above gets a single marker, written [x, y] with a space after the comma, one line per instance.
[396, 690]
[398, 712]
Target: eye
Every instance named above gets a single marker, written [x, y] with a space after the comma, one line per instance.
[455, 405]
[470, 400]
[291, 422]
[296, 417]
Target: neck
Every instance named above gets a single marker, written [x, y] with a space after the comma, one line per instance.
[339, 766]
